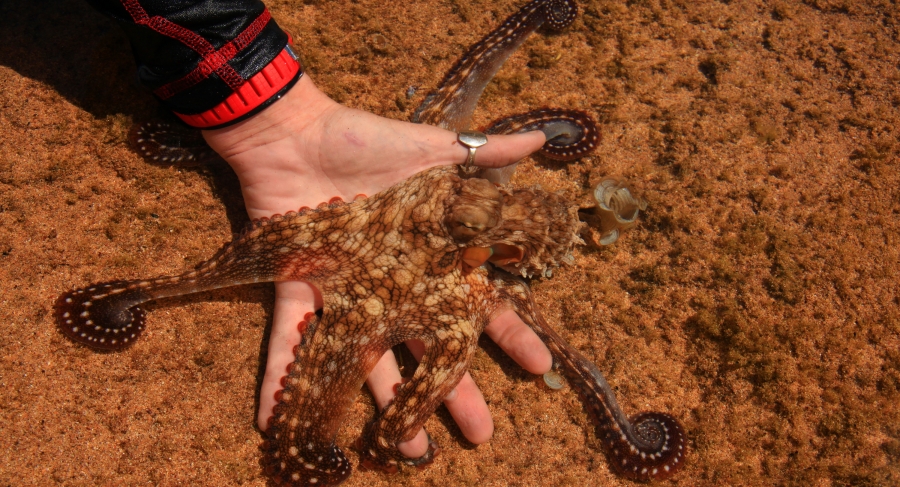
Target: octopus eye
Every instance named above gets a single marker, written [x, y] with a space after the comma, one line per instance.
[467, 221]
[475, 227]
[475, 209]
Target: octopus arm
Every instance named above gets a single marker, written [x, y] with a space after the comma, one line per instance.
[331, 364]
[450, 342]
[571, 134]
[108, 315]
[452, 104]
[162, 143]
[648, 446]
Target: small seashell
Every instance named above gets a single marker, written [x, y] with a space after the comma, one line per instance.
[554, 380]
[616, 208]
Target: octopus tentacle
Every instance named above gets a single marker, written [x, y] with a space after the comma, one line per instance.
[169, 144]
[452, 104]
[320, 386]
[571, 134]
[449, 348]
[107, 316]
[650, 446]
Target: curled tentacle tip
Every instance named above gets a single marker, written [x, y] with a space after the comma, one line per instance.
[104, 316]
[559, 14]
[571, 134]
[656, 451]
[169, 144]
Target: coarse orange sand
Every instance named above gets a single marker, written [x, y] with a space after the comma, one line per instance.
[757, 300]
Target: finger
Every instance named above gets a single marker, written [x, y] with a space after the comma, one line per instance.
[293, 300]
[465, 403]
[503, 150]
[520, 342]
[470, 411]
[381, 383]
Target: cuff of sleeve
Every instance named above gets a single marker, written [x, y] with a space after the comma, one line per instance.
[255, 94]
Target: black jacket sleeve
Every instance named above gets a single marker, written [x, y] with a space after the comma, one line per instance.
[192, 54]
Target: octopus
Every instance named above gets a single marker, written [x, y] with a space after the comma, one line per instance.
[433, 258]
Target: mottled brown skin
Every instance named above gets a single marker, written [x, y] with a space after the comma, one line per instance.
[433, 258]
[389, 270]
[411, 287]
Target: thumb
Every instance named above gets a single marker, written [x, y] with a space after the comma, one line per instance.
[503, 150]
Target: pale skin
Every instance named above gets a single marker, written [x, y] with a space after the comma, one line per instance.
[305, 149]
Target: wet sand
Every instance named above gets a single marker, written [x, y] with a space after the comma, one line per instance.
[756, 300]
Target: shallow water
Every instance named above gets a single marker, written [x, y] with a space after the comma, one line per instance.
[756, 300]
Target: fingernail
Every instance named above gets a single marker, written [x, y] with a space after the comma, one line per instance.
[452, 396]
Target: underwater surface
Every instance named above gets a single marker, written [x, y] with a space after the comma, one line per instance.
[756, 299]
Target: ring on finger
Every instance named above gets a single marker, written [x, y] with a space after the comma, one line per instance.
[472, 139]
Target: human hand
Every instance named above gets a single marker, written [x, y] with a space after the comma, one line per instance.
[306, 149]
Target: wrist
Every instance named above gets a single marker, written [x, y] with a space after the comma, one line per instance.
[294, 112]
[272, 152]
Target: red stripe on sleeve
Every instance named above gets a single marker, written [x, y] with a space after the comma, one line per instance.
[213, 61]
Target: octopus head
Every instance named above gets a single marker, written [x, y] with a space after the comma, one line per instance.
[474, 210]
[523, 231]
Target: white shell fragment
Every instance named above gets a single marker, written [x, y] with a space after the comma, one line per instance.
[617, 209]
[554, 380]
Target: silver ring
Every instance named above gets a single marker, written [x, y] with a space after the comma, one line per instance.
[472, 139]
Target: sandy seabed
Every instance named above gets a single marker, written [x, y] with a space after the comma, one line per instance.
[757, 300]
